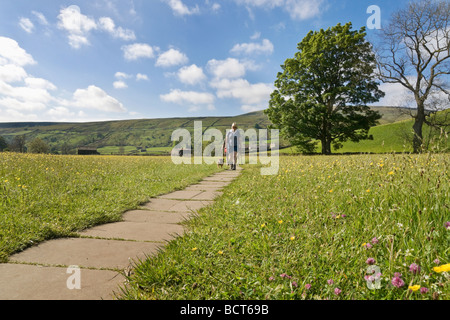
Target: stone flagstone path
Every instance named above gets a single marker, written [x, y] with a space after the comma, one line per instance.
[104, 253]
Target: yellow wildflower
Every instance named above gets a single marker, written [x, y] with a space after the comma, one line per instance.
[443, 268]
[220, 252]
[414, 288]
[194, 249]
[280, 222]
[292, 238]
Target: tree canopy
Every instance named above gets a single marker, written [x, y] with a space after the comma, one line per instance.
[322, 93]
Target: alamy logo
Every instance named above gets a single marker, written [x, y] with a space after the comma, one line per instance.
[374, 21]
[74, 281]
[254, 143]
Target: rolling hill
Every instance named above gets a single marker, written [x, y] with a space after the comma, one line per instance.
[154, 135]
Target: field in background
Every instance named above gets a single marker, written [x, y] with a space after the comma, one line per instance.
[311, 232]
[44, 197]
[154, 135]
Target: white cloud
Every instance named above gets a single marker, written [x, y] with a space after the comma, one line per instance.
[252, 96]
[107, 24]
[180, 9]
[122, 75]
[215, 7]
[256, 36]
[12, 73]
[171, 58]
[297, 9]
[265, 47]
[12, 53]
[137, 51]
[41, 18]
[141, 77]
[95, 98]
[191, 75]
[120, 85]
[39, 83]
[60, 114]
[192, 98]
[77, 25]
[26, 25]
[230, 68]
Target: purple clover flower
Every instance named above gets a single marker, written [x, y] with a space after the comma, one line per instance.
[414, 268]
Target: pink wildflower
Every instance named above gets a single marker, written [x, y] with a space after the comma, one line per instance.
[414, 268]
[397, 282]
[308, 286]
[337, 291]
[370, 261]
[330, 282]
[423, 290]
[375, 240]
[437, 261]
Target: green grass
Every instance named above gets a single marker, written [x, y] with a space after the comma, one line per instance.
[44, 197]
[268, 237]
[389, 138]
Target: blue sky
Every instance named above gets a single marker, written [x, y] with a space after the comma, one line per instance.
[130, 59]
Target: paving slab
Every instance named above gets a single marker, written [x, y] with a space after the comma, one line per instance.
[87, 253]
[157, 217]
[220, 179]
[181, 195]
[196, 187]
[176, 205]
[30, 282]
[207, 195]
[136, 231]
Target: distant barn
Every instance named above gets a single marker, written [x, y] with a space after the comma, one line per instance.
[87, 151]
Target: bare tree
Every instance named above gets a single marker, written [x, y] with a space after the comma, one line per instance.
[415, 52]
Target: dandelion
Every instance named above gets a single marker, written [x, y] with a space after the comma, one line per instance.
[220, 252]
[414, 268]
[370, 261]
[368, 190]
[280, 222]
[337, 291]
[292, 238]
[423, 290]
[414, 288]
[391, 173]
[194, 249]
[263, 225]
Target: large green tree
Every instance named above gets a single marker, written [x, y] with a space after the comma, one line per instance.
[323, 92]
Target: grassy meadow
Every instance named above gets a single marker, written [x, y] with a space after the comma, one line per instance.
[44, 197]
[312, 232]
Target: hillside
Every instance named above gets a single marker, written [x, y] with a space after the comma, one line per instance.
[154, 135]
[151, 134]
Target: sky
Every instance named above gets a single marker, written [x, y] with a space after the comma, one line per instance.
[99, 60]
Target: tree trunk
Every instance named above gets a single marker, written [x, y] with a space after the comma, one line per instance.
[418, 128]
[326, 146]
